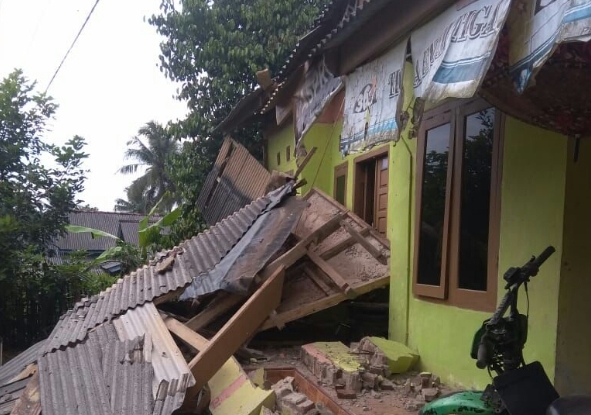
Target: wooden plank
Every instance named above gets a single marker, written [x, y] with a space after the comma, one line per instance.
[188, 336]
[324, 303]
[332, 251]
[234, 333]
[314, 276]
[375, 252]
[29, 402]
[332, 273]
[214, 310]
[305, 162]
[300, 249]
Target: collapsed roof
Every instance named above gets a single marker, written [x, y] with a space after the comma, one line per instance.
[277, 259]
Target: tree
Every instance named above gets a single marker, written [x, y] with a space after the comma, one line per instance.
[213, 49]
[145, 191]
[34, 203]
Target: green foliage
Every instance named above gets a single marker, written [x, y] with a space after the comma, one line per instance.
[35, 199]
[213, 49]
[155, 184]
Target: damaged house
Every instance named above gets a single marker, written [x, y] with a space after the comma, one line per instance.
[459, 131]
[424, 146]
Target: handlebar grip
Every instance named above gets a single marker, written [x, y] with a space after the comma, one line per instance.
[482, 356]
[543, 256]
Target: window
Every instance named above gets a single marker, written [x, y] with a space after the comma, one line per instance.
[340, 183]
[288, 153]
[458, 176]
[278, 158]
[370, 200]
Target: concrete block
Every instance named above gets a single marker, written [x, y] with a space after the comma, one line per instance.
[398, 357]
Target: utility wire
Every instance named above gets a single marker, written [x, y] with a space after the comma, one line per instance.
[72, 45]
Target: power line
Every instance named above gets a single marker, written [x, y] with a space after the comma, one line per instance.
[72, 45]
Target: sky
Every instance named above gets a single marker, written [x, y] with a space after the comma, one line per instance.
[109, 86]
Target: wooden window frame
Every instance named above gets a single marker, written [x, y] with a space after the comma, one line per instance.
[370, 155]
[339, 171]
[448, 291]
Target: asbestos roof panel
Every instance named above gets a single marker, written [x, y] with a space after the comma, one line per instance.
[236, 179]
[195, 256]
[94, 377]
[16, 365]
[10, 394]
[168, 362]
[72, 382]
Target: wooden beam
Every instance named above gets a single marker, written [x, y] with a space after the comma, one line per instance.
[332, 273]
[304, 162]
[318, 280]
[332, 251]
[188, 336]
[234, 333]
[324, 303]
[29, 402]
[215, 309]
[375, 252]
[275, 319]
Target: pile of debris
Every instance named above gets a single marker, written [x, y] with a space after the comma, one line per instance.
[326, 378]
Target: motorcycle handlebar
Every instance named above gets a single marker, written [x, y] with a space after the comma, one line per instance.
[537, 263]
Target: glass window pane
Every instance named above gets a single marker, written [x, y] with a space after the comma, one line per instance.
[339, 192]
[433, 204]
[475, 199]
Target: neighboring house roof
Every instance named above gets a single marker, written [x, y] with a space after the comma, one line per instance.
[235, 180]
[123, 225]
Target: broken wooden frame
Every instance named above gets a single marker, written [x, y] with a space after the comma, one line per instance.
[329, 262]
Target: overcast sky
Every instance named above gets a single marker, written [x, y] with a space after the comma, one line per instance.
[108, 87]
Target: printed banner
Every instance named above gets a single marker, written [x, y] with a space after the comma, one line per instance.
[316, 91]
[537, 26]
[372, 98]
[452, 53]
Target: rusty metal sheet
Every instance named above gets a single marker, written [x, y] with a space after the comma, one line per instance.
[197, 255]
[237, 270]
[236, 179]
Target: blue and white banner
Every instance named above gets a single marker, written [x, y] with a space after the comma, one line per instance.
[372, 98]
[317, 89]
[452, 53]
[537, 26]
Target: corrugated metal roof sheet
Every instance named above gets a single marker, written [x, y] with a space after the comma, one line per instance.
[236, 179]
[16, 365]
[199, 254]
[235, 271]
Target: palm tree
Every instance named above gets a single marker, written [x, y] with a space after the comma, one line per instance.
[154, 153]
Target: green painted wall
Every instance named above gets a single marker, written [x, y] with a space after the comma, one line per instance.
[534, 174]
[574, 329]
[319, 172]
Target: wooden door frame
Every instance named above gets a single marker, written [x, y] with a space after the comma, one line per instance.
[371, 155]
